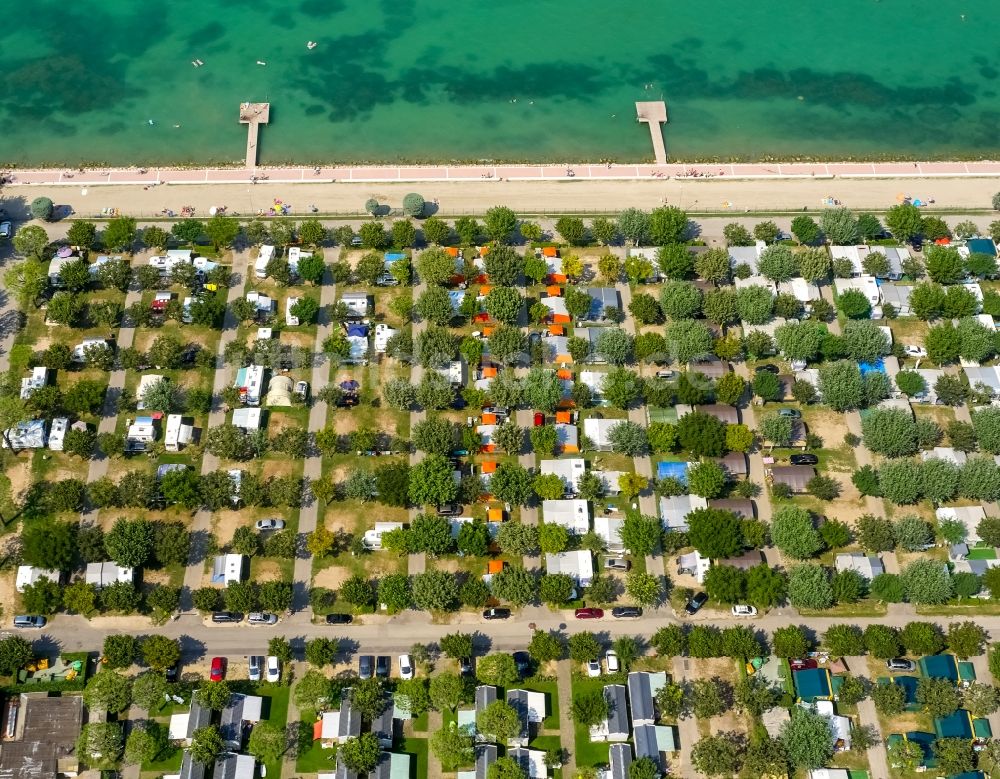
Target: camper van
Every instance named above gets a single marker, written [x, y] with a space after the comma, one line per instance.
[265, 256]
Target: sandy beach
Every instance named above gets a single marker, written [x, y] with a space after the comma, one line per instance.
[712, 195]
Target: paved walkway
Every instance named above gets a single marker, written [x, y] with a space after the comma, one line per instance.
[878, 760]
[755, 459]
[313, 467]
[525, 417]
[201, 526]
[561, 171]
[416, 563]
[638, 415]
[98, 467]
[687, 728]
[567, 737]
[435, 721]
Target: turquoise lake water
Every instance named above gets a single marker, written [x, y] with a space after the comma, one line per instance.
[422, 80]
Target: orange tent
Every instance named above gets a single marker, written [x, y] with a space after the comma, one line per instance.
[563, 418]
[487, 331]
[494, 515]
[556, 330]
[451, 250]
[489, 448]
[489, 372]
[564, 358]
[484, 290]
[494, 566]
[489, 419]
[564, 373]
[553, 291]
[484, 250]
[550, 251]
[483, 317]
[561, 319]
[557, 278]
[489, 466]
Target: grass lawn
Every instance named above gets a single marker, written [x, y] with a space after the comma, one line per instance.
[276, 707]
[417, 749]
[588, 753]
[546, 743]
[169, 762]
[420, 723]
[315, 760]
[551, 722]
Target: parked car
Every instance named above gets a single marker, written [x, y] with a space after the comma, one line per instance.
[256, 661]
[696, 602]
[626, 612]
[743, 610]
[302, 389]
[791, 413]
[226, 617]
[218, 672]
[666, 374]
[803, 664]
[465, 666]
[273, 672]
[366, 664]
[768, 368]
[29, 621]
[262, 618]
[611, 661]
[522, 661]
[803, 459]
[339, 619]
[617, 564]
[449, 510]
[593, 668]
[914, 351]
[539, 419]
[589, 613]
[5, 229]
[173, 673]
[382, 666]
[496, 614]
[900, 664]
[270, 524]
[405, 667]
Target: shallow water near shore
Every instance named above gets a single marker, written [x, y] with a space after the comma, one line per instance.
[428, 80]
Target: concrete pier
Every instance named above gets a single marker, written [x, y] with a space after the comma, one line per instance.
[253, 115]
[654, 113]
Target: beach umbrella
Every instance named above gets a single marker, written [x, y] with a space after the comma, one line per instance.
[212, 211]
[900, 197]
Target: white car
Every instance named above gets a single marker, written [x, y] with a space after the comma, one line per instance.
[273, 673]
[742, 610]
[254, 672]
[594, 668]
[611, 660]
[270, 524]
[915, 351]
[302, 389]
[405, 667]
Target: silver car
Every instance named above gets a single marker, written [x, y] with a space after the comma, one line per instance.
[256, 661]
[270, 524]
[262, 618]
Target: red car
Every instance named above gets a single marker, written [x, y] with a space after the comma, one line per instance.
[589, 613]
[801, 665]
[218, 669]
[539, 419]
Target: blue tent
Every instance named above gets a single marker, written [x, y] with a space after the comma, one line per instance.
[957, 725]
[812, 684]
[981, 246]
[939, 667]
[360, 331]
[873, 366]
[672, 470]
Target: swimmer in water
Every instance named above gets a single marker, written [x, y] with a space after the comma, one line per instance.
[150, 121]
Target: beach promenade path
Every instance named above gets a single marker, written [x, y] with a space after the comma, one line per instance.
[559, 171]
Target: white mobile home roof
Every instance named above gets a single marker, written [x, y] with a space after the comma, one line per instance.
[598, 430]
[609, 530]
[866, 285]
[569, 470]
[970, 516]
[574, 515]
[578, 564]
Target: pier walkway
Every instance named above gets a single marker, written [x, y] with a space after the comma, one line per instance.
[253, 115]
[654, 114]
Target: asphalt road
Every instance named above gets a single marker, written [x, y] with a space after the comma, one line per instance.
[393, 635]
